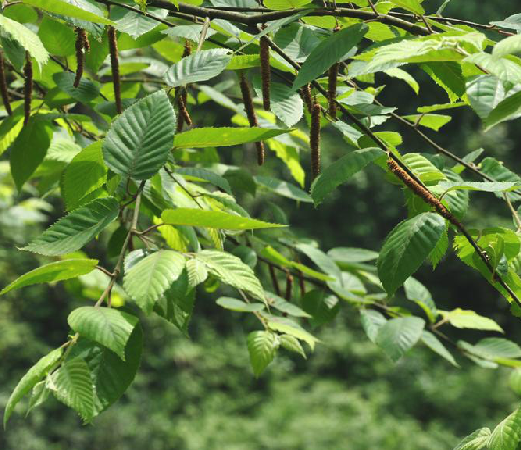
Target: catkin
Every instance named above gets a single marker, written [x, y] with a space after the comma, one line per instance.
[314, 140]
[421, 191]
[289, 286]
[3, 86]
[265, 72]
[305, 94]
[182, 113]
[28, 87]
[302, 284]
[250, 113]
[114, 64]
[331, 90]
[274, 279]
[81, 43]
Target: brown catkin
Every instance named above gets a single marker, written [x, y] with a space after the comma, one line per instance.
[421, 191]
[182, 113]
[81, 38]
[289, 286]
[314, 140]
[274, 279]
[305, 93]
[3, 86]
[250, 113]
[114, 63]
[265, 72]
[302, 284]
[28, 87]
[331, 90]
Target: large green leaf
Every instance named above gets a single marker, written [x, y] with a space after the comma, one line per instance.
[197, 67]
[106, 326]
[460, 318]
[410, 5]
[26, 38]
[329, 52]
[475, 441]
[139, 141]
[406, 247]
[213, 219]
[507, 109]
[502, 67]
[262, 346]
[85, 173]
[232, 271]
[507, 434]
[72, 384]
[57, 38]
[372, 321]
[397, 336]
[484, 93]
[286, 104]
[511, 44]
[493, 349]
[55, 271]
[28, 150]
[69, 10]
[29, 380]
[86, 91]
[147, 280]
[340, 171]
[135, 24]
[76, 229]
[224, 137]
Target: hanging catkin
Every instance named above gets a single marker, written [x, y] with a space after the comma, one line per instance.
[81, 43]
[3, 86]
[331, 90]
[265, 72]
[274, 280]
[250, 113]
[289, 286]
[314, 139]
[302, 284]
[182, 113]
[305, 94]
[28, 87]
[114, 64]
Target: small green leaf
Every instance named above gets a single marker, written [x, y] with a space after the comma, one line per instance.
[340, 171]
[292, 344]
[76, 229]
[139, 141]
[511, 44]
[262, 346]
[106, 326]
[406, 247]
[69, 10]
[431, 341]
[460, 318]
[329, 52]
[224, 137]
[398, 336]
[507, 109]
[283, 189]
[147, 280]
[507, 434]
[372, 321]
[418, 293]
[55, 271]
[238, 305]
[283, 5]
[475, 441]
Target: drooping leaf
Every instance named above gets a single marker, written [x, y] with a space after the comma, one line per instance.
[509, 108]
[224, 137]
[56, 37]
[399, 335]
[418, 293]
[139, 141]
[406, 247]
[493, 349]
[372, 321]
[329, 52]
[292, 344]
[147, 280]
[55, 271]
[460, 318]
[86, 91]
[73, 231]
[106, 326]
[234, 304]
[29, 380]
[431, 341]
[201, 66]
[283, 188]
[502, 67]
[262, 346]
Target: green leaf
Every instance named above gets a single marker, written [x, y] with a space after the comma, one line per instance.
[502, 67]
[283, 189]
[213, 219]
[232, 271]
[26, 38]
[410, 5]
[347, 255]
[35, 136]
[282, 5]
[511, 44]
[177, 304]
[431, 341]
[484, 186]
[485, 93]
[147, 280]
[398, 336]
[493, 349]
[140, 140]
[85, 173]
[286, 104]
[507, 109]
[329, 52]
[73, 231]
[426, 171]
[55, 271]
[72, 385]
[405, 76]
[340, 171]
[238, 305]
[135, 24]
[106, 326]
[433, 121]
[197, 272]
[418, 293]
[288, 326]
[86, 91]
[449, 76]
[507, 434]
[292, 344]
[475, 441]
[323, 308]
[201, 66]
[406, 247]
[67, 9]
[262, 346]
[57, 38]
[207, 175]
[29, 380]
[285, 306]
[224, 137]
[372, 322]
